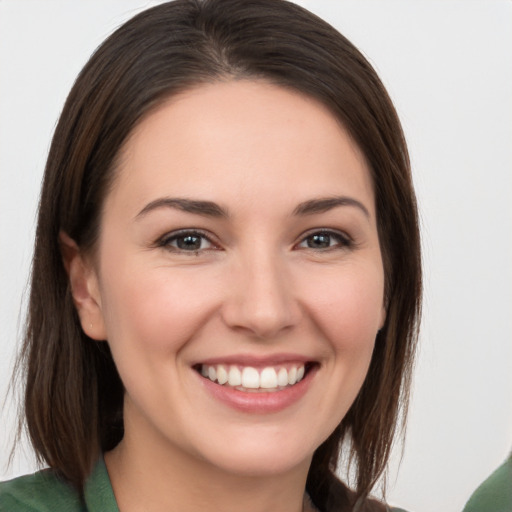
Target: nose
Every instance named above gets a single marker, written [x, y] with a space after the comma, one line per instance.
[260, 299]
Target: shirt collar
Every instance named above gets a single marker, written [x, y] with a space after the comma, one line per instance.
[98, 493]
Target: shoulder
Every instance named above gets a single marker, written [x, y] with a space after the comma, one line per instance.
[337, 496]
[40, 492]
[495, 494]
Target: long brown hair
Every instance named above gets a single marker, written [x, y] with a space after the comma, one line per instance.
[73, 394]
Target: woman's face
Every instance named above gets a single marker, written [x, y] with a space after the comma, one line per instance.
[238, 254]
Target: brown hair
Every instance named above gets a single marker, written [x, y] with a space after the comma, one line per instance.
[73, 394]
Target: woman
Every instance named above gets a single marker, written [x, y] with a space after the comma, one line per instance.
[226, 280]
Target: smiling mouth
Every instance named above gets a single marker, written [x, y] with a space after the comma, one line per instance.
[255, 380]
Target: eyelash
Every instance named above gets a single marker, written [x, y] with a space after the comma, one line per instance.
[167, 240]
[342, 241]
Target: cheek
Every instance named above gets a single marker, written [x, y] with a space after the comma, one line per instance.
[156, 310]
[348, 307]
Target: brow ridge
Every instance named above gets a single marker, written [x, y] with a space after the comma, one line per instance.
[206, 208]
[324, 204]
[211, 209]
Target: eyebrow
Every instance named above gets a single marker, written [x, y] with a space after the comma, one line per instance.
[325, 204]
[211, 209]
[205, 208]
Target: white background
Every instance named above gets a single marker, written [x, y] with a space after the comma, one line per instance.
[448, 67]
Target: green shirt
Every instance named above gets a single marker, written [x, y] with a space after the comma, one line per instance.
[495, 494]
[44, 492]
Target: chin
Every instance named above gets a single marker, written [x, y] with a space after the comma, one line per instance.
[257, 466]
[260, 456]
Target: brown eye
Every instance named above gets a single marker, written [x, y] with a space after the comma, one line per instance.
[189, 242]
[322, 240]
[186, 241]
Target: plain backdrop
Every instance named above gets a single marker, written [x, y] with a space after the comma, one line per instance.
[448, 67]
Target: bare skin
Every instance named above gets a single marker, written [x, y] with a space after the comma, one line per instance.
[240, 232]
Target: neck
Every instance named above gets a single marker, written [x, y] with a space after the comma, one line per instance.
[158, 480]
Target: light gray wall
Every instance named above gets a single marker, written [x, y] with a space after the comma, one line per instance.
[448, 67]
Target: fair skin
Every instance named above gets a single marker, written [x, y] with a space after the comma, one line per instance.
[218, 251]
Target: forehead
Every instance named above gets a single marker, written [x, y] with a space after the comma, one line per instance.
[245, 137]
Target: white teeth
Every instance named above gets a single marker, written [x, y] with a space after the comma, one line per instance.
[234, 376]
[268, 378]
[292, 376]
[282, 377]
[222, 374]
[250, 378]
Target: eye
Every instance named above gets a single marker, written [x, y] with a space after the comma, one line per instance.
[322, 240]
[186, 241]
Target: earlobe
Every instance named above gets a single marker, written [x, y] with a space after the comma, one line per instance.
[84, 286]
[383, 316]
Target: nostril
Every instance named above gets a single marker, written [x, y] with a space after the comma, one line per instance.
[262, 306]
[260, 325]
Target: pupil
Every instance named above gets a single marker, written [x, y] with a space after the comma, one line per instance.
[190, 242]
[319, 241]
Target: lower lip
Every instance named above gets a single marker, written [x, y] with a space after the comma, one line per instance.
[260, 402]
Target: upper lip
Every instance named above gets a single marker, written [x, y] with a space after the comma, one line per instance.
[256, 360]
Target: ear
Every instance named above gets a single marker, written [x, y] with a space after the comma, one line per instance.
[383, 316]
[384, 312]
[84, 285]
